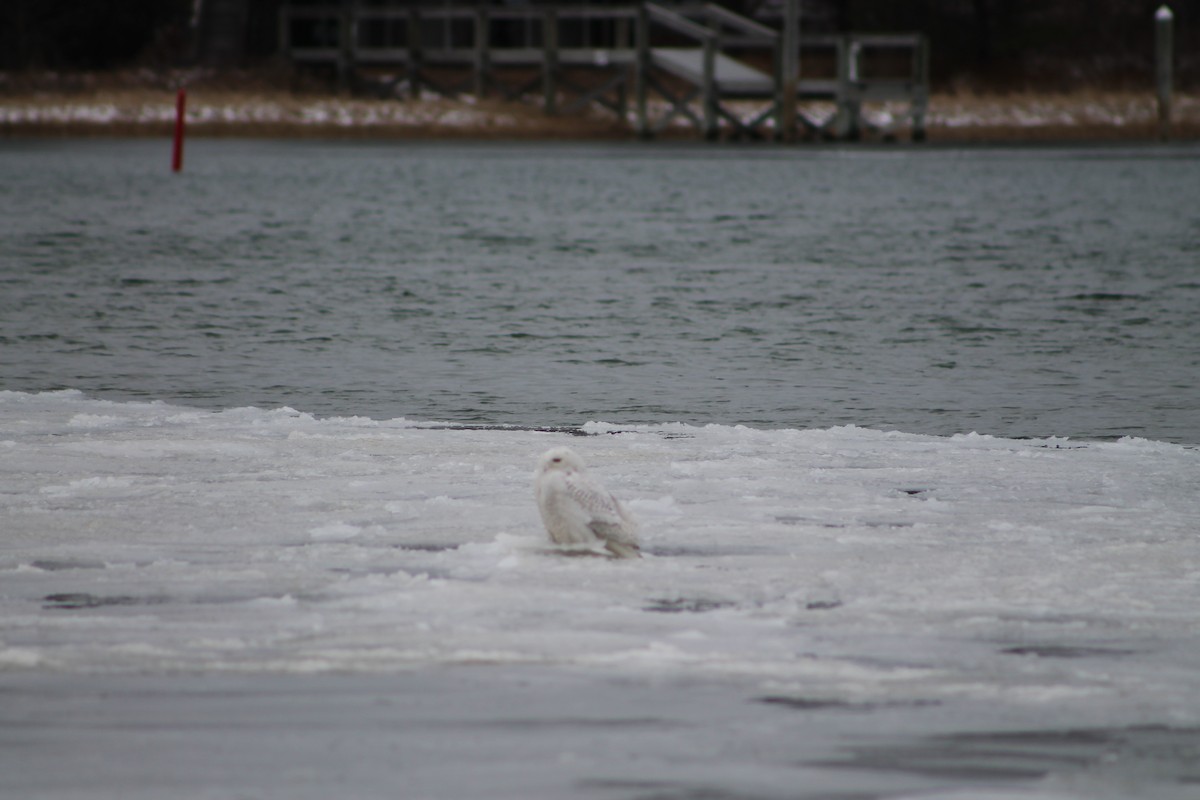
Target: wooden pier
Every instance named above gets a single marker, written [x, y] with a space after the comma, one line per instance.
[647, 63]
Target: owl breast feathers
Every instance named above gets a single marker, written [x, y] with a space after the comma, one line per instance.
[577, 509]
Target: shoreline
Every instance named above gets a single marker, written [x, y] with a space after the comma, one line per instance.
[956, 118]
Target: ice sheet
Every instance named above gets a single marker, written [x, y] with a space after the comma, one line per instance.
[865, 574]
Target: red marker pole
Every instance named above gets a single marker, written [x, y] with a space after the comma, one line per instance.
[177, 153]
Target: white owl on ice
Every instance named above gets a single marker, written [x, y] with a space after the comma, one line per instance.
[576, 509]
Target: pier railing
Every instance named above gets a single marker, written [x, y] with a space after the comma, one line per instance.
[697, 59]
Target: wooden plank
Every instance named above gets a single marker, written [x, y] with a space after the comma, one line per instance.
[596, 57]
[677, 23]
[751, 31]
[818, 88]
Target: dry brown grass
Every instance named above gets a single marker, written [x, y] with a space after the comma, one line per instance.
[265, 105]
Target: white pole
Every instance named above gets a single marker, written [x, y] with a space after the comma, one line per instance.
[1164, 22]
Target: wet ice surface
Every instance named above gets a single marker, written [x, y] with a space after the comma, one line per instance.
[263, 603]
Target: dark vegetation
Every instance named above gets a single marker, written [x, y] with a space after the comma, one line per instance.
[1039, 44]
[989, 44]
[90, 34]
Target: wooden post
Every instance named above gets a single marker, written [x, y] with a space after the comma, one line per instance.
[481, 51]
[849, 100]
[789, 70]
[414, 54]
[709, 93]
[550, 62]
[642, 71]
[1164, 23]
[920, 103]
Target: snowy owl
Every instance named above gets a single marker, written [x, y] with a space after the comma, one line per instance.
[576, 509]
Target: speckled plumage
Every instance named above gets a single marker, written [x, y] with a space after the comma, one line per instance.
[577, 509]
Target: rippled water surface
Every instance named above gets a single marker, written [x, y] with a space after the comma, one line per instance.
[1017, 292]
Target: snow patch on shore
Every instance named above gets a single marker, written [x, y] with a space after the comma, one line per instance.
[951, 111]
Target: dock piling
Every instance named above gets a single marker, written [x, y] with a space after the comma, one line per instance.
[710, 88]
[550, 62]
[641, 73]
[347, 41]
[789, 70]
[481, 51]
[414, 54]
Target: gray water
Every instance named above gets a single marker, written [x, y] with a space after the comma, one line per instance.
[1014, 292]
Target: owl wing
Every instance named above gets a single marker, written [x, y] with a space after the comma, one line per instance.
[600, 506]
[606, 517]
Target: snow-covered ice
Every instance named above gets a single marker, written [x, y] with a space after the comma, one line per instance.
[803, 591]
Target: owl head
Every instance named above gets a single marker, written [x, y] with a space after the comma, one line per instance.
[562, 459]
